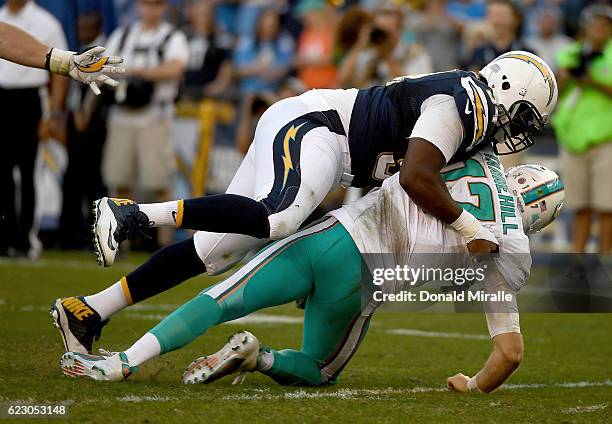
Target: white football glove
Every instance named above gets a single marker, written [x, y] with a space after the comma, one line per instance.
[88, 66]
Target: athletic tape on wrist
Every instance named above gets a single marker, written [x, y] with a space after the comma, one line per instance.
[473, 386]
[59, 61]
[467, 225]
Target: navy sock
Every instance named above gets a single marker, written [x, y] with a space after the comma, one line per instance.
[226, 213]
[166, 268]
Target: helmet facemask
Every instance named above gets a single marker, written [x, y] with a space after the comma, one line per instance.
[516, 127]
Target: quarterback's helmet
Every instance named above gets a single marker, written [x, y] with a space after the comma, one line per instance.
[539, 193]
[525, 92]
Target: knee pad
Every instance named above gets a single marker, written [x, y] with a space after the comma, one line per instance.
[285, 223]
[219, 252]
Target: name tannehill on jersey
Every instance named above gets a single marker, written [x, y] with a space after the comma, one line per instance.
[383, 118]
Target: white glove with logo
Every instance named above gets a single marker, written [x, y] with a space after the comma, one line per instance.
[88, 66]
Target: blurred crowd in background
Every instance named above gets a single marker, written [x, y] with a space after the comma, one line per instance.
[201, 72]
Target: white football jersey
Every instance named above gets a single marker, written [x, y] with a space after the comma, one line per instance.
[387, 221]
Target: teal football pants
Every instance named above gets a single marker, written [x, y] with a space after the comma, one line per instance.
[320, 262]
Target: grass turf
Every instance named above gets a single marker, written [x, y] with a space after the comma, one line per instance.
[391, 378]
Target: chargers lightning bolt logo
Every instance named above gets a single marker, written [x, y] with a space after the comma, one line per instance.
[287, 161]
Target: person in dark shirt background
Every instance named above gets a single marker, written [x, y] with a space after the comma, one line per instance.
[85, 136]
[504, 22]
[209, 70]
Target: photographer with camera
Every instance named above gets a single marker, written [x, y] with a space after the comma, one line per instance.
[382, 52]
[139, 152]
[583, 126]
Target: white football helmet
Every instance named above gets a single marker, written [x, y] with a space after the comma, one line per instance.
[525, 92]
[539, 193]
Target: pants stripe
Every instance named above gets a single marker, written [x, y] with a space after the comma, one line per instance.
[286, 149]
[347, 347]
[233, 283]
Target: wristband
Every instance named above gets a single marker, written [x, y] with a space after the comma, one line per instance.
[48, 59]
[472, 386]
[467, 225]
[59, 61]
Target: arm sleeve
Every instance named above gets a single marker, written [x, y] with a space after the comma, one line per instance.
[440, 124]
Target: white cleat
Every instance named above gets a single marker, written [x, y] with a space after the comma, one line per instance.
[110, 366]
[238, 355]
[115, 220]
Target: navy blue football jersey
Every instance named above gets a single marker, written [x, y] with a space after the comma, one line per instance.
[383, 118]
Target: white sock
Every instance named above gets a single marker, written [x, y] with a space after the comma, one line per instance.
[111, 300]
[265, 360]
[146, 348]
[162, 214]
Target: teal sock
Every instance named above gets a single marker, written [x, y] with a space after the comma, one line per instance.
[294, 368]
[187, 323]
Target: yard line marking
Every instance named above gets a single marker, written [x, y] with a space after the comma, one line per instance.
[436, 334]
[343, 394]
[250, 319]
[134, 314]
[582, 409]
[567, 385]
[154, 307]
[164, 307]
[63, 263]
[154, 398]
[360, 394]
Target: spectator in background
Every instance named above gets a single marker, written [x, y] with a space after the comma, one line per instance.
[85, 136]
[264, 60]
[548, 40]
[352, 37]
[439, 34]
[466, 11]
[209, 70]
[583, 126]
[315, 54]
[503, 22]
[384, 53]
[139, 153]
[248, 16]
[23, 121]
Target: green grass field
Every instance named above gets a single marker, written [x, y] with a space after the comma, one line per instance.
[566, 375]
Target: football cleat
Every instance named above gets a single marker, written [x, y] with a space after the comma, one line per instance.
[109, 366]
[79, 324]
[238, 355]
[115, 220]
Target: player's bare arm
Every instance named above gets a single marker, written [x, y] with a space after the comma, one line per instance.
[420, 177]
[88, 66]
[505, 358]
[20, 47]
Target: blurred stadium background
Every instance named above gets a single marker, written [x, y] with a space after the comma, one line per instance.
[244, 55]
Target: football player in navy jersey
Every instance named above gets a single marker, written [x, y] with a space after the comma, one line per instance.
[306, 146]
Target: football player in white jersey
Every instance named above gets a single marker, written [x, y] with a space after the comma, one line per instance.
[307, 145]
[87, 67]
[323, 263]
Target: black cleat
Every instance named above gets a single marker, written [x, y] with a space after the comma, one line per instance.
[79, 324]
[115, 220]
